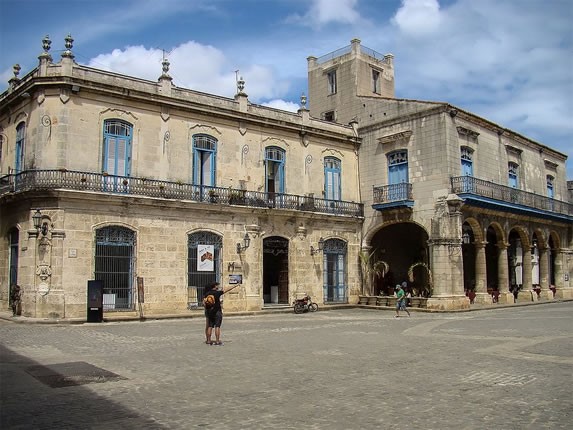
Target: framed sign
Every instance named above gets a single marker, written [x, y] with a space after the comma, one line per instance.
[205, 258]
[235, 279]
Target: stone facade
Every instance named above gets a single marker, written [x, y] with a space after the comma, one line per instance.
[127, 207]
[475, 229]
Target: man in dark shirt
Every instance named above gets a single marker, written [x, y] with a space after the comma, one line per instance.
[215, 314]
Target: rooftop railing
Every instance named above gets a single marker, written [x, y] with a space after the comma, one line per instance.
[62, 179]
[491, 190]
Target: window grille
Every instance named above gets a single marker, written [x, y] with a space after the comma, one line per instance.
[114, 266]
[334, 263]
[198, 280]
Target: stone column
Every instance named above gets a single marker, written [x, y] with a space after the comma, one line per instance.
[482, 296]
[546, 293]
[526, 294]
[562, 291]
[502, 276]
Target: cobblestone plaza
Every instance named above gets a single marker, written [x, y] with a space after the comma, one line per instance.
[343, 369]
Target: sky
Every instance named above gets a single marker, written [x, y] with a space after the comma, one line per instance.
[509, 61]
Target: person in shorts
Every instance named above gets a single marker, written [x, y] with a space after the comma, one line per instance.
[215, 314]
[400, 300]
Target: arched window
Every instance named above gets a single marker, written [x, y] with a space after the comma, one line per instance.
[20, 146]
[513, 170]
[204, 157]
[117, 139]
[274, 169]
[334, 271]
[203, 264]
[114, 266]
[332, 174]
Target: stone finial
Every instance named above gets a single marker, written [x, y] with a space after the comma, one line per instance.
[46, 43]
[303, 101]
[45, 56]
[69, 45]
[240, 85]
[165, 66]
[16, 70]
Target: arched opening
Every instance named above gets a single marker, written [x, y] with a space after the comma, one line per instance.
[114, 266]
[469, 257]
[515, 263]
[401, 245]
[203, 264]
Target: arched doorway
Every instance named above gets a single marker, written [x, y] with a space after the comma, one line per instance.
[401, 245]
[275, 270]
[469, 257]
[203, 264]
[114, 265]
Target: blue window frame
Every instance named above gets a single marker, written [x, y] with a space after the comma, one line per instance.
[332, 175]
[334, 267]
[513, 169]
[274, 170]
[467, 161]
[117, 139]
[550, 181]
[398, 167]
[20, 146]
[204, 160]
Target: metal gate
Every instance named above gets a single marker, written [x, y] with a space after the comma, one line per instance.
[114, 264]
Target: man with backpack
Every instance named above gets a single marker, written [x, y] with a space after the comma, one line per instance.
[214, 312]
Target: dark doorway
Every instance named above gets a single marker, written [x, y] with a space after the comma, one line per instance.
[275, 270]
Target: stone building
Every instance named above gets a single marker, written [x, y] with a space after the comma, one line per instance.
[157, 191]
[487, 210]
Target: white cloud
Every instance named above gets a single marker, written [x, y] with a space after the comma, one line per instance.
[194, 66]
[418, 17]
[283, 105]
[324, 12]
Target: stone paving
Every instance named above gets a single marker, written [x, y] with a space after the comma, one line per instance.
[342, 369]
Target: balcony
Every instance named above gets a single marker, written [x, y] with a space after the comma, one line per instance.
[393, 196]
[477, 192]
[41, 180]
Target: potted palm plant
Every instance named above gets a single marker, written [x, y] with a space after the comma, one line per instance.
[371, 270]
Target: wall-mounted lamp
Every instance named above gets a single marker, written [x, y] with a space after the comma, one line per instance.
[314, 251]
[38, 225]
[466, 239]
[245, 245]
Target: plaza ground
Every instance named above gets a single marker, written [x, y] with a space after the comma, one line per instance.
[504, 368]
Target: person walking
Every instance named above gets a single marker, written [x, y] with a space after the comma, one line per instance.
[400, 300]
[214, 315]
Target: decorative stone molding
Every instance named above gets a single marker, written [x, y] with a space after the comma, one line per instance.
[205, 128]
[550, 165]
[466, 132]
[402, 135]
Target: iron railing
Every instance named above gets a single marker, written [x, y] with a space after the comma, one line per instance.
[491, 190]
[37, 180]
[392, 193]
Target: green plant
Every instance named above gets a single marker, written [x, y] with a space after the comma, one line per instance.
[430, 283]
[371, 269]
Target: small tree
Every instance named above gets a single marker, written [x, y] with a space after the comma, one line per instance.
[371, 269]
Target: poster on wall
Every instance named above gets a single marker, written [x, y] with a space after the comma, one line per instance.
[205, 258]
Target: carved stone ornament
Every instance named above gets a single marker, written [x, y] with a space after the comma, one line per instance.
[402, 135]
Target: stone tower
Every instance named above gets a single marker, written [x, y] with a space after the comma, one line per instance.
[337, 81]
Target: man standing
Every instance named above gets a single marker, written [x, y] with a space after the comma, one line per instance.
[215, 313]
[400, 300]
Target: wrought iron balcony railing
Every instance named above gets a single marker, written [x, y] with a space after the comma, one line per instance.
[490, 190]
[392, 195]
[37, 180]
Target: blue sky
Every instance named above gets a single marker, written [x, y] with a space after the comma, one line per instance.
[510, 61]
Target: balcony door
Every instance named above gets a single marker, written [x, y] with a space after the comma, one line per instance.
[117, 139]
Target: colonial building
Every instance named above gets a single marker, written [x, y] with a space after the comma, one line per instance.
[487, 210]
[157, 191]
